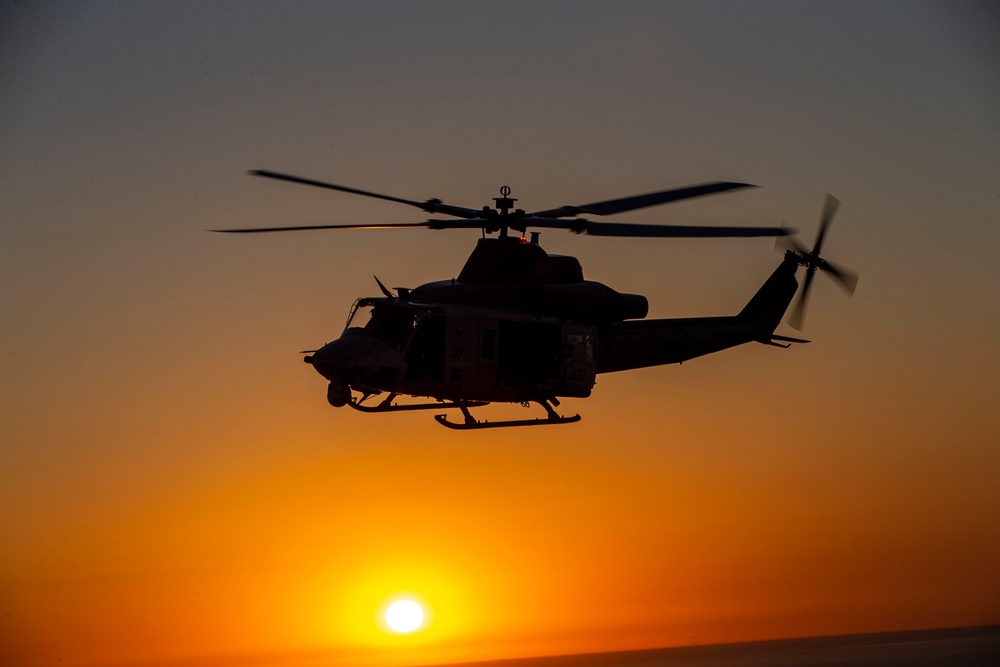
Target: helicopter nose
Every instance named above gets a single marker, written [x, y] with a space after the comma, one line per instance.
[333, 360]
[353, 358]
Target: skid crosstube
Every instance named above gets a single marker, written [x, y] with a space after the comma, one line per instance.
[387, 406]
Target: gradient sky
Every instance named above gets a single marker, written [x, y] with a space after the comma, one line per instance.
[175, 488]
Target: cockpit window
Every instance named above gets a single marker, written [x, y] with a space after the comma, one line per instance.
[365, 307]
[392, 325]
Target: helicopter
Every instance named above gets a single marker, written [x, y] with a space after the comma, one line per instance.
[520, 325]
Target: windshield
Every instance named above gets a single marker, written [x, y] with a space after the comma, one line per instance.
[390, 324]
[359, 304]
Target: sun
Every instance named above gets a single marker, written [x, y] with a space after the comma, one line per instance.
[404, 616]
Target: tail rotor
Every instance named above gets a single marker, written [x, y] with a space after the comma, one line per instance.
[845, 278]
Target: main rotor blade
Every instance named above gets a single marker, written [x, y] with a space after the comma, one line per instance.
[612, 206]
[829, 210]
[679, 231]
[431, 206]
[430, 224]
[592, 228]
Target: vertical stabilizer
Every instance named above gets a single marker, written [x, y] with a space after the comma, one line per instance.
[769, 304]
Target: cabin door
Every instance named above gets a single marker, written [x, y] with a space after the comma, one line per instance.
[459, 349]
[578, 365]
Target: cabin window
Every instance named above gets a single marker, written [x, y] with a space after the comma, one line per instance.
[489, 344]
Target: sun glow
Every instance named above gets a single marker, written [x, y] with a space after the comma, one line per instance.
[404, 616]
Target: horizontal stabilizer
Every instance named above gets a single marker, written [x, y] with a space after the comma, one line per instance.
[788, 339]
[773, 339]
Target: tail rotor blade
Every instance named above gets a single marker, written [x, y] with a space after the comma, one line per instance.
[829, 210]
[847, 279]
[799, 315]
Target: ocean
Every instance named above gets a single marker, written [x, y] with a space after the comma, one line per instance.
[953, 647]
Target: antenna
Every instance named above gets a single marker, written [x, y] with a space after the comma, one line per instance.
[504, 203]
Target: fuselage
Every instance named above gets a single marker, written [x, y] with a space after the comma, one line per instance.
[520, 325]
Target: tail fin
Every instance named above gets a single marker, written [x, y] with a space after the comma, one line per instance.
[769, 304]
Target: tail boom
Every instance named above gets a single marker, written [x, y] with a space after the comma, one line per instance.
[643, 343]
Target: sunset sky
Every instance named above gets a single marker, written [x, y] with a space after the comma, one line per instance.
[174, 487]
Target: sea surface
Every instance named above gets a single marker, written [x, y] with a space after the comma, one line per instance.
[953, 647]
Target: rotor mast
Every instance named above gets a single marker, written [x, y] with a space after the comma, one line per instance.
[503, 204]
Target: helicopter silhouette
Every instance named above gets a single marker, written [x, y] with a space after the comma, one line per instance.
[518, 325]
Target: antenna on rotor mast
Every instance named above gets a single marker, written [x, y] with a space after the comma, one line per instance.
[504, 203]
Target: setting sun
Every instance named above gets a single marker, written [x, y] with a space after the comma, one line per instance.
[404, 616]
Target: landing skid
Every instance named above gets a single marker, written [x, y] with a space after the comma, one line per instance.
[471, 423]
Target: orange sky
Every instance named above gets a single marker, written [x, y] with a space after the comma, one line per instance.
[175, 488]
